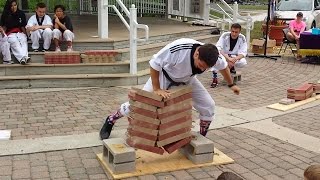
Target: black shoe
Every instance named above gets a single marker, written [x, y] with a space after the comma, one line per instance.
[106, 130]
[214, 82]
[35, 50]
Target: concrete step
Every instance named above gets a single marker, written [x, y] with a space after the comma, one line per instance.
[143, 50]
[73, 80]
[69, 69]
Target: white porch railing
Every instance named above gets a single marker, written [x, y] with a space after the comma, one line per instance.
[132, 27]
[230, 16]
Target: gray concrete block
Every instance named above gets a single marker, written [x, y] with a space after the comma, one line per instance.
[199, 144]
[197, 158]
[117, 151]
[123, 167]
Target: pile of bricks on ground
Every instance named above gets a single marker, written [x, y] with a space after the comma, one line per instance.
[100, 56]
[303, 92]
[158, 125]
[62, 57]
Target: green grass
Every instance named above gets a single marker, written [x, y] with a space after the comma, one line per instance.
[253, 7]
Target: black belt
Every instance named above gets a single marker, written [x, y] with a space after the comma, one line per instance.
[172, 83]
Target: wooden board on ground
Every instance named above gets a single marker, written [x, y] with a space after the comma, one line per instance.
[282, 107]
[150, 163]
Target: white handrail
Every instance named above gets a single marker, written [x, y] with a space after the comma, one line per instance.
[132, 27]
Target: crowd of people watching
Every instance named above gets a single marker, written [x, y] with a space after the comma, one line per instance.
[15, 31]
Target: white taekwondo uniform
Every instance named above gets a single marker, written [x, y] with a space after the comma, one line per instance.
[241, 47]
[177, 60]
[45, 34]
[5, 48]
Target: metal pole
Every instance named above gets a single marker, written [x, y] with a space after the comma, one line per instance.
[103, 19]
[133, 40]
[248, 29]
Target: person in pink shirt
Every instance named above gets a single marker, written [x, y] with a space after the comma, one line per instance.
[296, 27]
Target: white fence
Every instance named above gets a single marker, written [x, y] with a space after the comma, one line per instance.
[143, 6]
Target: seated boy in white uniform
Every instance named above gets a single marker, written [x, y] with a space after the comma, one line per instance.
[233, 46]
[40, 26]
[5, 47]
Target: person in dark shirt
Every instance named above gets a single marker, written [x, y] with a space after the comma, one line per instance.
[13, 22]
[63, 29]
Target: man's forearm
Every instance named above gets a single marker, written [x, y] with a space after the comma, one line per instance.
[155, 79]
[226, 75]
[45, 26]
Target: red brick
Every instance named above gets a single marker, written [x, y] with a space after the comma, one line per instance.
[157, 150]
[168, 114]
[173, 139]
[173, 133]
[147, 94]
[175, 122]
[178, 99]
[176, 107]
[143, 112]
[187, 124]
[141, 134]
[143, 106]
[179, 91]
[304, 88]
[176, 116]
[170, 148]
[138, 140]
[153, 132]
[144, 118]
[135, 122]
[146, 100]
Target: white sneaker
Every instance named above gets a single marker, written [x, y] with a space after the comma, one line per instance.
[23, 61]
[69, 49]
[27, 59]
[58, 49]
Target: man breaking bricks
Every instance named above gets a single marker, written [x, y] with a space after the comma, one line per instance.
[176, 64]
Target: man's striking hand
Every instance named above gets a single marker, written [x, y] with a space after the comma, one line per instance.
[163, 93]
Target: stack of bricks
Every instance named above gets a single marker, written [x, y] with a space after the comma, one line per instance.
[301, 93]
[316, 88]
[100, 56]
[118, 156]
[158, 125]
[62, 57]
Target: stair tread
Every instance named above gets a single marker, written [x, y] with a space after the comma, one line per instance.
[75, 76]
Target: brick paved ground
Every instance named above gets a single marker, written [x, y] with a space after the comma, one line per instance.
[257, 156]
[305, 121]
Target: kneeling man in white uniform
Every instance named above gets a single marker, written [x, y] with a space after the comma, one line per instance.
[233, 46]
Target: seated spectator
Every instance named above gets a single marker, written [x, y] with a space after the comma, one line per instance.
[39, 26]
[296, 27]
[62, 28]
[5, 47]
[233, 46]
[312, 172]
[229, 176]
[13, 22]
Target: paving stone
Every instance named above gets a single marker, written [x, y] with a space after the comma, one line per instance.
[97, 176]
[181, 175]
[40, 174]
[200, 175]
[21, 173]
[167, 177]
[5, 170]
[148, 177]
[251, 176]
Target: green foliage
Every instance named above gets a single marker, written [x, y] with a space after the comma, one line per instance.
[256, 33]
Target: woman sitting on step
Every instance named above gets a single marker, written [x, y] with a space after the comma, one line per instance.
[13, 22]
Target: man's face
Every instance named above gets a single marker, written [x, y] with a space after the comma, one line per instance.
[41, 11]
[235, 33]
[59, 13]
[199, 63]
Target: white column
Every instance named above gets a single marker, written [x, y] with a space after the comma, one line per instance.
[133, 40]
[103, 29]
[206, 12]
[248, 29]
[235, 12]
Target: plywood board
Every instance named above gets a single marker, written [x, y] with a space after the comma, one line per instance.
[282, 107]
[150, 163]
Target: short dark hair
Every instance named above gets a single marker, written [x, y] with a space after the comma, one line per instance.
[41, 5]
[236, 26]
[209, 54]
[229, 176]
[299, 14]
[59, 6]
